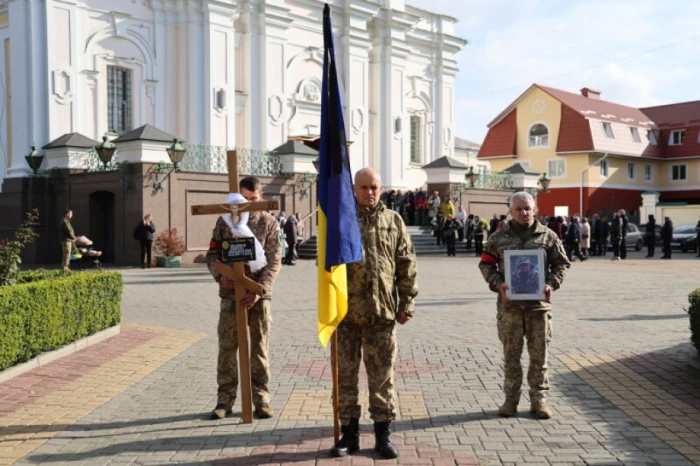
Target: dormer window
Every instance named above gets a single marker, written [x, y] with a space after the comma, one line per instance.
[677, 137]
[607, 127]
[539, 136]
[635, 134]
[651, 137]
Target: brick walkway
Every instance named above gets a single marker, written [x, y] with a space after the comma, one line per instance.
[622, 391]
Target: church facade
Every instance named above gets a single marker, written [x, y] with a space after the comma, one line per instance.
[226, 74]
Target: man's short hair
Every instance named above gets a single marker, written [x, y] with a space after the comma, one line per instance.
[250, 183]
[521, 195]
[66, 212]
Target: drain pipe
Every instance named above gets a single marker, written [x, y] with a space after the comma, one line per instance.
[580, 198]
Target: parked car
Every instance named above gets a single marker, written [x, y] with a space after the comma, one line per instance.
[684, 238]
[634, 240]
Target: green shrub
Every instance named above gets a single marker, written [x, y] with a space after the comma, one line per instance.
[694, 312]
[10, 251]
[50, 309]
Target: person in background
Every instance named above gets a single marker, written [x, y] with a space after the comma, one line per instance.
[573, 240]
[480, 227]
[461, 215]
[623, 241]
[146, 228]
[650, 236]
[450, 228]
[300, 235]
[606, 235]
[437, 222]
[470, 230]
[597, 236]
[291, 232]
[502, 222]
[400, 200]
[666, 237]
[390, 200]
[447, 208]
[616, 235]
[409, 207]
[585, 238]
[555, 226]
[66, 236]
[420, 202]
[433, 207]
[493, 224]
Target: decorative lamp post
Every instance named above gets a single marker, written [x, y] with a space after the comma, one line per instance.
[176, 152]
[105, 151]
[544, 182]
[472, 176]
[34, 160]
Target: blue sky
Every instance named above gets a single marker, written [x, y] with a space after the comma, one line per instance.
[595, 43]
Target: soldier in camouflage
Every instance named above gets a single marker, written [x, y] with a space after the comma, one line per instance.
[524, 279]
[265, 228]
[517, 320]
[387, 271]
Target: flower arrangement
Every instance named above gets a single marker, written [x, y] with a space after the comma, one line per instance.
[169, 244]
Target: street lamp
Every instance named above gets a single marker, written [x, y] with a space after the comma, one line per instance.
[176, 152]
[105, 151]
[472, 176]
[34, 160]
[544, 182]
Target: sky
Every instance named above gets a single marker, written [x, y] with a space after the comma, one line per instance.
[639, 53]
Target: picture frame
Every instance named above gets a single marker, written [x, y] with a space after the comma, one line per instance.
[525, 282]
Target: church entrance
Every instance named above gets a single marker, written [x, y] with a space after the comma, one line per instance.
[102, 227]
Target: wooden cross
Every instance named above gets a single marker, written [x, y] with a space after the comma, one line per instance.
[243, 283]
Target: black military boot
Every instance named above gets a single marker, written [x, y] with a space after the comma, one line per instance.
[349, 443]
[384, 446]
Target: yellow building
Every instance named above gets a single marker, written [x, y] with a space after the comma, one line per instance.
[601, 156]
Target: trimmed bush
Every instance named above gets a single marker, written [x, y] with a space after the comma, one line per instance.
[694, 313]
[50, 309]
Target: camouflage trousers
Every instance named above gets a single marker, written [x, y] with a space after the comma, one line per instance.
[376, 345]
[259, 322]
[66, 249]
[513, 327]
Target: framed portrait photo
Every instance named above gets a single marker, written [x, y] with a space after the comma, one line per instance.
[525, 274]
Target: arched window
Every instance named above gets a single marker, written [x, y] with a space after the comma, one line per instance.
[539, 136]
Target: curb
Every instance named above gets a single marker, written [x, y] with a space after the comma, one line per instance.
[51, 356]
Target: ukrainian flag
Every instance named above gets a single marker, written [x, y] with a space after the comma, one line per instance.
[339, 240]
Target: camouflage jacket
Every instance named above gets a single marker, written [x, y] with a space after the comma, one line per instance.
[492, 265]
[388, 268]
[265, 228]
[65, 230]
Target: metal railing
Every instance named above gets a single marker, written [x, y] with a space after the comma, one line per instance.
[212, 159]
[496, 181]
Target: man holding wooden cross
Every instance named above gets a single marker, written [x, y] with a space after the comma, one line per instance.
[264, 227]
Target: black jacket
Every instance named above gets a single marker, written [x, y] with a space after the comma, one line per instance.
[625, 222]
[146, 231]
[667, 231]
[598, 229]
[573, 234]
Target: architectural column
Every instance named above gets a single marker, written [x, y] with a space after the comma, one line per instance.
[388, 57]
[30, 83]
[219, 107]
[356, 44]
[264, 25]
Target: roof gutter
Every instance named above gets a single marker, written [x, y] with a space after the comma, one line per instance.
[580, 198]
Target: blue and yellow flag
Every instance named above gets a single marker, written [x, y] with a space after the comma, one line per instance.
[339, 240]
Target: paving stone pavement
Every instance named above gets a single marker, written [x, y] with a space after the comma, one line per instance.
[622, 391]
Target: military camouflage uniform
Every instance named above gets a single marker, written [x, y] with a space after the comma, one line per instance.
[524, 319]
[524, 282]
[66, 236]
[265, 228]
[388, 268]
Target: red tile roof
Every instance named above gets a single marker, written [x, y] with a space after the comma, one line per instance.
[598, 109]
[674, 115]
[501, 138]
[574, 132]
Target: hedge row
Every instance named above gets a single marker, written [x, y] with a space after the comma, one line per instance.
[694, 312]
[50, 309]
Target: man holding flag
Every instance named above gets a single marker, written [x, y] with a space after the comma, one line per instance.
[368, 301]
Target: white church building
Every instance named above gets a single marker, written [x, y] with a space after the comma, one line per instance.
[227, 73]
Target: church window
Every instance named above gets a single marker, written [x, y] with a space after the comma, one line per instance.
[416, 156]
[119, 99]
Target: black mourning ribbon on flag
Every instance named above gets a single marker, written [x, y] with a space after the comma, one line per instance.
[337, 142]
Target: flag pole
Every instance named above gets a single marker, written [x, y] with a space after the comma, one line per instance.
[334, 368]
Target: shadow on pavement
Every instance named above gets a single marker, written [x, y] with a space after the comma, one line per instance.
[637, 317]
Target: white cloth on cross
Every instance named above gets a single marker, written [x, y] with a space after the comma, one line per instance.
[241, 230]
